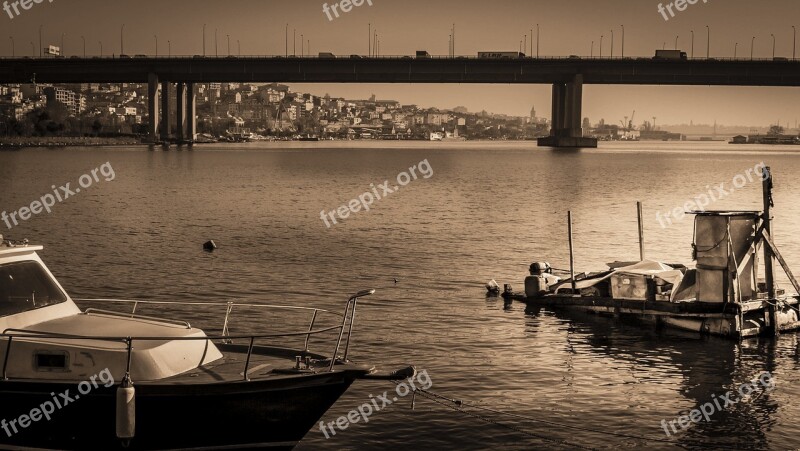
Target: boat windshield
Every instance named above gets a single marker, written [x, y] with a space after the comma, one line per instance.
[26, 286]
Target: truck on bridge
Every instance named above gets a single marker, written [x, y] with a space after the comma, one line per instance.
[670, 55]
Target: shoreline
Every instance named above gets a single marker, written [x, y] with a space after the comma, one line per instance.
[66, 141]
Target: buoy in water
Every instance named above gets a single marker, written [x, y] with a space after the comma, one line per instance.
[210, 246]
[492, 288]
[126, 410]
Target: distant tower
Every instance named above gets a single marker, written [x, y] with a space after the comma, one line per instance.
[533, 113]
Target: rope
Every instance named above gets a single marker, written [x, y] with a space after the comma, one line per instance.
[458, 406]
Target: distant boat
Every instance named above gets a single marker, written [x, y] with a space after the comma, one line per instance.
[436, 136]
[309, 138]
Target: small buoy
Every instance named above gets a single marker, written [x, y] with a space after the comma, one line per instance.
[492, 288]
[210, 246]
[395, 280]
[126, 410]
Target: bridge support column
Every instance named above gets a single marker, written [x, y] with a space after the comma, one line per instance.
[180, 126]
[152, 102]
[191, 113]
[566, 128]
[166, 124]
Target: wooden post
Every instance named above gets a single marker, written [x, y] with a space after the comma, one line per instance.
[641, 231]
[768, 254]
[571, 253]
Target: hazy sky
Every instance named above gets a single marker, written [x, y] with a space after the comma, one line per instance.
[566, 27]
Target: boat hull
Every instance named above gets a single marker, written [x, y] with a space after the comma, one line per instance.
[273, 414]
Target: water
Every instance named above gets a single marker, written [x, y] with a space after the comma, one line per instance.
[488, 211]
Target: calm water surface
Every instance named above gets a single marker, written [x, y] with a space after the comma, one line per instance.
[488, 211]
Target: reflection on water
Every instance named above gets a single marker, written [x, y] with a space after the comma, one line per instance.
[487, 212]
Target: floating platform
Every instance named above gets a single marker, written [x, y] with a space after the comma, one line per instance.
[722, 294]
[731, 320]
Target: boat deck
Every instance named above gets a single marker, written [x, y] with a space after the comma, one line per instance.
[265, 363]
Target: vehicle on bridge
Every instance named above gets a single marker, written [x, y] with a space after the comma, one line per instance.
[327, 55]
[501, 55]
[423, 54]
[670, 55]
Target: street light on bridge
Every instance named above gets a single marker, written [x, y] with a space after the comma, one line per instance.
[156, 38]
[84, 46]
[13, 51]
[229, 44]
[63, 50]
[752, 43]
[40, 42]
[708, 42]
[612, 44]
[735, 48]
[692, 43]
[33, 49]
[773, 45]
[169, 48]
[122, 40]
[204, 39]
[794, 42]
[623, 41]
[676, 41]
[101, 47]
[601, 46]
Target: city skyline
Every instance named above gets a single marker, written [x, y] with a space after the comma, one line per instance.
[402, 28]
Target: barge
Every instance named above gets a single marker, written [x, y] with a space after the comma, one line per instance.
[723, 293]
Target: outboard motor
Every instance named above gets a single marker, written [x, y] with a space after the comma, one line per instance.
[538, 283]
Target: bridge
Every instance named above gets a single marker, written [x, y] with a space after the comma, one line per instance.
[566, 75]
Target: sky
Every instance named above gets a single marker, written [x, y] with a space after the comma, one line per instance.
[566, 27]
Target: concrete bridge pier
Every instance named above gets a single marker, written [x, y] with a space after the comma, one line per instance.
[566, 128]
[166, 124]
[152, 102]
[180, 126]
[191, 114]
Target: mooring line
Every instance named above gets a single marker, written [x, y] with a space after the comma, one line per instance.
[459, 405]
[456, 407]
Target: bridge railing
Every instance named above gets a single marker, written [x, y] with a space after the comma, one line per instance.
[379, 58]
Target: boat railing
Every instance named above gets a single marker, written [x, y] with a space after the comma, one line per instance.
[229, 307]
[347, 324]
